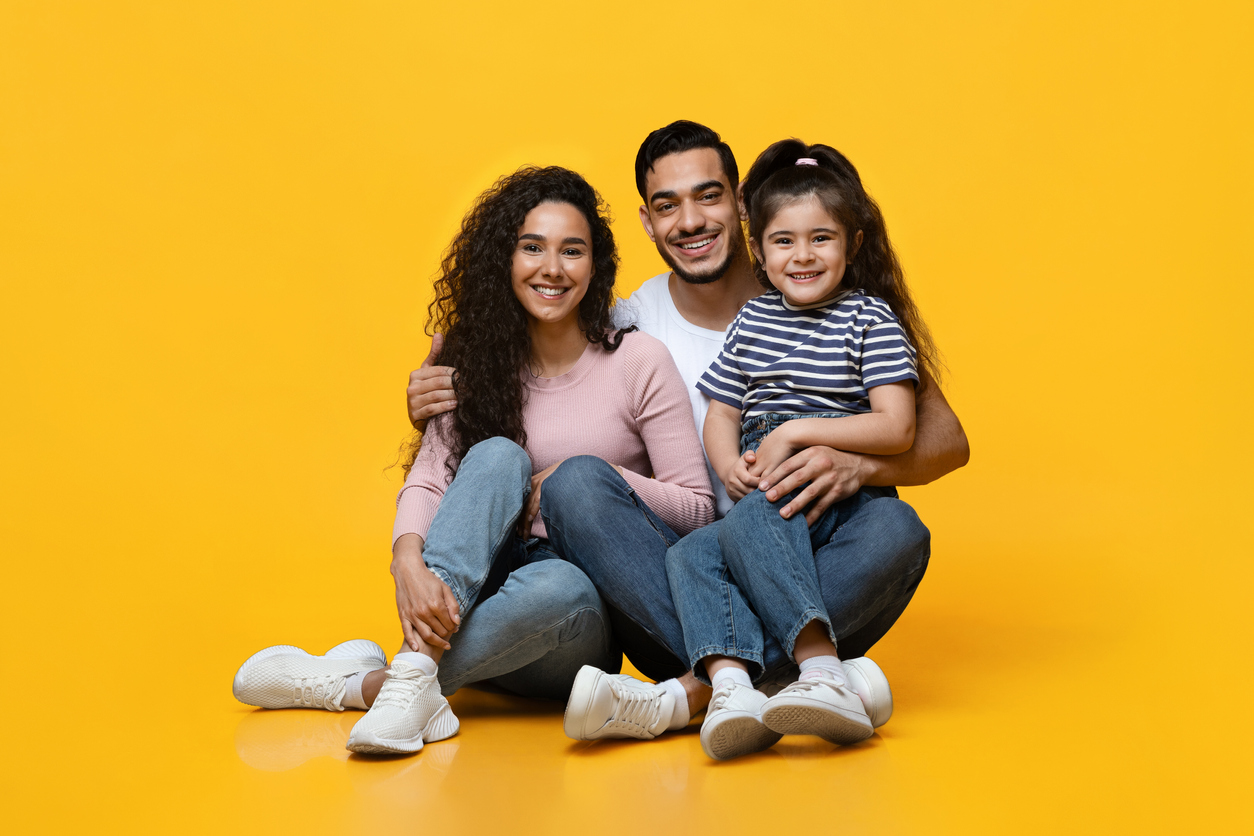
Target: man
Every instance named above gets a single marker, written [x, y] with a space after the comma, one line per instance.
[868, 571]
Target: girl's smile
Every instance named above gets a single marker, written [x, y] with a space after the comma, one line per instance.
[804, 252]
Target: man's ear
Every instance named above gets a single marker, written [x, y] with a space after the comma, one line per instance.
[854, 245]
[647, 223]
[756, 250]
[740, 203]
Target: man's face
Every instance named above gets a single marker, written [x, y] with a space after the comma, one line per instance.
[692, 216]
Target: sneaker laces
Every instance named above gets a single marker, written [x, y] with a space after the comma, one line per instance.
[318, 691]
[636, 708]
[806, 685]
[721, 695]
[400, 686]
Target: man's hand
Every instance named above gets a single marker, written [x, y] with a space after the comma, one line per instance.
[427, 607]
[430, 392]
[828, 475]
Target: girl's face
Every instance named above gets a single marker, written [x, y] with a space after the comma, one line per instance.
[552, 264]
[805, 251]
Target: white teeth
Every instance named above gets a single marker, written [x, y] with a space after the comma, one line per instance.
[550, 291]
[697, 245]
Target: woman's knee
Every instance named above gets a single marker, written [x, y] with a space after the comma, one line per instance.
[500, 455]
[560, 589]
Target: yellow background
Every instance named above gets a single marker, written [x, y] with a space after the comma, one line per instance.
[218, 227]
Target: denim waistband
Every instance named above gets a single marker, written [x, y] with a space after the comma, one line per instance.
[759, 427]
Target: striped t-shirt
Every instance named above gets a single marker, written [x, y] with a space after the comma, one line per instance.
[778, 358]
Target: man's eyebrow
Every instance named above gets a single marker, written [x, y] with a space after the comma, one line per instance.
[671, 194]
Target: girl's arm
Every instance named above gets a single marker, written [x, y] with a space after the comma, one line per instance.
[722, 446]
[886, 430]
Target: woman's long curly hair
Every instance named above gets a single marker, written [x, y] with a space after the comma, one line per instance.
[483, 323]
[775, 181]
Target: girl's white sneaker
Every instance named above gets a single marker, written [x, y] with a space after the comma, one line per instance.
[819, 706]
[733, 723]
[284, 676]
[409, 711]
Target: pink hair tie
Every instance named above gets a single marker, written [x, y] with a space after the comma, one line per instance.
[807, 161]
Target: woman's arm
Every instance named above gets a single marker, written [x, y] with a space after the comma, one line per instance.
[722, 445]
[679, 491]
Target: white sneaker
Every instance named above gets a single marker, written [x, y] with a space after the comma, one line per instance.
[869, 683]
[409, 711]
[865, 678]
[733, 723]
[603, 705]
[288, 677]
[821, 707]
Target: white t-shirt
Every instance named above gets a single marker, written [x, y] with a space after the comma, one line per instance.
[693, 347]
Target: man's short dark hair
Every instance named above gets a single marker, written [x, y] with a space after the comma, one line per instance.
[676, 138]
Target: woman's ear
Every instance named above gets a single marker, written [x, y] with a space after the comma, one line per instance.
[855, 244]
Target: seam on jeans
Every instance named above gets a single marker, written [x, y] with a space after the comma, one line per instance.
[730, 636]
[577, 613]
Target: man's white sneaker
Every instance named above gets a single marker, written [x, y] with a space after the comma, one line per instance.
[868, 682]
[733, 723]
[409, 711]
[603, 705]
[818, 706]
[288, 677]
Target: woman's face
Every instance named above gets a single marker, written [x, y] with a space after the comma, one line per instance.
[552, 263]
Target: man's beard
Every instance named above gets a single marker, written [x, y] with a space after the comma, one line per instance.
[705, 278]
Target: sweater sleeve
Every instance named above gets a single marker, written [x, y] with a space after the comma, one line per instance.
[679, 491]
[420, 496]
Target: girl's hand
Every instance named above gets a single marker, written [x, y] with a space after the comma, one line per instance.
[740, 480]
[427, 607]
[775, 449]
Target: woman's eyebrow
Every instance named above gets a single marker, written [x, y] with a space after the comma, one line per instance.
[574, 241]
[531, 236]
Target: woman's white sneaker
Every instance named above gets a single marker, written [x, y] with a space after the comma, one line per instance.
[409, 711]
[819, 706]
[604, 705]
[284, 676]
[733, 723]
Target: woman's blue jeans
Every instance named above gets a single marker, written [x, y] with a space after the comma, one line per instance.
[530, 621]
[867, 569]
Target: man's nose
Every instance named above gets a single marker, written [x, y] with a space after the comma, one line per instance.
[691, 218]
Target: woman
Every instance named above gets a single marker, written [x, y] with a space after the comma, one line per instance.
[524, 300]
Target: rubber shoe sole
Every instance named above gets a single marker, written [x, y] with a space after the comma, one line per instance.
[830, 723]
[738, 733]
[443, 724]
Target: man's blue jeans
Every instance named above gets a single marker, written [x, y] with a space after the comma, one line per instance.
[868, 568]
[530, 621]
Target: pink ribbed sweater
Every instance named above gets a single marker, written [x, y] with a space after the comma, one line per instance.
[629, 407]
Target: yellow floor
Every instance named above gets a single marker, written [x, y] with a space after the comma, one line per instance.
[218, 226]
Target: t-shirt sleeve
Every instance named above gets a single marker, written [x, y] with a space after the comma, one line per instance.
[420, 496]
[887, 355]
[679, 491]
[723, 380]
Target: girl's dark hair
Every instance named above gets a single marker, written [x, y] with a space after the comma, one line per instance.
[483, 323]
[775, 181]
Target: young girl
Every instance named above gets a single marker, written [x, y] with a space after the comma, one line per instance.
[829, 357]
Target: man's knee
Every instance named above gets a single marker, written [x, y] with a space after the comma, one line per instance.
[900, 532]
[575, 483]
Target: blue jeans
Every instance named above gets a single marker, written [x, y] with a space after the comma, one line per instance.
[868, 569]
[754, 574]
[530, 621]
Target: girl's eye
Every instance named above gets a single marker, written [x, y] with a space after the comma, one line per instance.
[782, 242]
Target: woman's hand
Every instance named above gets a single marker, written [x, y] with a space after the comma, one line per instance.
[427, 607]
